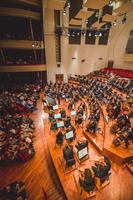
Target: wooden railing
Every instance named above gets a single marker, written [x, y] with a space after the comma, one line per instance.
[23, 68]
[128, 57]
[21, 44]
[15, 12]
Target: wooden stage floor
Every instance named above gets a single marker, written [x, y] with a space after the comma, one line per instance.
[36, 173]
[119, 180]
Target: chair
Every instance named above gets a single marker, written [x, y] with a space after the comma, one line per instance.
[68, 156]
[59, 139]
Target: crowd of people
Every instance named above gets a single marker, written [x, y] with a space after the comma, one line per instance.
[14, 191]
[27, 60]
[89, 177]
[94, 92]
[16, 127]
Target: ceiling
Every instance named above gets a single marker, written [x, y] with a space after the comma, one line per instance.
[87, 10]
[91, 15]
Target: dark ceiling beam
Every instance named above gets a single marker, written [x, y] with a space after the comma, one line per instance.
[74, 8]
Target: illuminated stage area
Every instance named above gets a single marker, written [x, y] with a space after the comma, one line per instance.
[100, 145]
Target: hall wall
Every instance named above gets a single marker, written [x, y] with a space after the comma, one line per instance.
[95, 56]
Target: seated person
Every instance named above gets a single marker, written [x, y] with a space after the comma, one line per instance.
[87, 180]
[53, 125]
[102, 168]
[78, 119]
[59, 138]
[92, 126]
[51, 115]
[81, 144]
[67, 121]
[71, 105]
[63, 113]
[15, 190]
[68, 155]
[124, 137]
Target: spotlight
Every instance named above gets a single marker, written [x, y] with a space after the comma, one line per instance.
[83, 33]
[110, 3]
[64, 12]
[124, 19]
[97, 14]
[86, 21]
[114, 23]
[68, 4]
[73, 34]
[100, 34]
[33, 45]
[96, 34]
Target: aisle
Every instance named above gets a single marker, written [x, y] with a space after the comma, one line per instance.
[36, 173]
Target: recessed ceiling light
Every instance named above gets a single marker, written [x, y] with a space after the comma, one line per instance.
[64, 12]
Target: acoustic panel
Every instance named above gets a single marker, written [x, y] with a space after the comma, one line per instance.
[75, 22]
[90, 37]
[109, 18]
[75, 36]
[96, 4]
[103, 40]
[98, 25]
[125, 8]
[82, 14]
[56, 4]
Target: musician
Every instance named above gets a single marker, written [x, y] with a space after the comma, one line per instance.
[102, 168]
[87, 180]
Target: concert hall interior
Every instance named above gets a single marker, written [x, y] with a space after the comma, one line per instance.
[66, 99]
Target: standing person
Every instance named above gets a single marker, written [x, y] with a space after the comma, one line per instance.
[58, 98]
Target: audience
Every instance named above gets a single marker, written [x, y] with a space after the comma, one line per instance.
[14, 191]
[16, 128]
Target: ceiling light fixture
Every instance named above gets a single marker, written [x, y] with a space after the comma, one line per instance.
[86, 21]
[100, 34]
[64, 12]
[97, 14]
[114, 23]
[68, 4]
[110, 3]
[83, 33]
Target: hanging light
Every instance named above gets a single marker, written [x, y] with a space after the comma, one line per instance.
[97, 14]
[73, 34]
[110, 3]
[100, 34]
[83, 33]
[64, 12]
[114, 23]
[68, 4]
[86, 21]
[96, 34]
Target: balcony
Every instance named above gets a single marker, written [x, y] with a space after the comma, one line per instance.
[128, 57]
